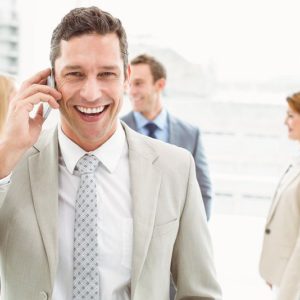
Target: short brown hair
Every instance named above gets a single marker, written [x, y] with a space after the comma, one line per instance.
[157, 69]
[294, 102]
[87, 20]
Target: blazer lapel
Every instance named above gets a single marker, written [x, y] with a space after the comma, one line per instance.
[43, 170]
[133, 122]
[145, 185]
[173, 136]
[290, 174]
[130, 120]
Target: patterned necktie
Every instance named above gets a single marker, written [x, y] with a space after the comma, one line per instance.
[85, 255]
[151, 127]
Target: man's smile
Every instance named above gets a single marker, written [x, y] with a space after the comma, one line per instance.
[91, 110]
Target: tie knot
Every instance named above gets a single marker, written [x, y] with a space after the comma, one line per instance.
[151, 127]
[87, 164]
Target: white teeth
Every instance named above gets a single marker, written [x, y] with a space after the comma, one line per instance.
[91, 110]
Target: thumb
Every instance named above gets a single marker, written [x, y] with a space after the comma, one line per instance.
[39, 114]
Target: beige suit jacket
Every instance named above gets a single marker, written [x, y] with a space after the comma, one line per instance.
[280, 258]
[170, 230]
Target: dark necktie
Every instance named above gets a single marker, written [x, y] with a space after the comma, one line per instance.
[151, 127]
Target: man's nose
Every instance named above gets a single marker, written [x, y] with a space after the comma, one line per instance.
[91, 90]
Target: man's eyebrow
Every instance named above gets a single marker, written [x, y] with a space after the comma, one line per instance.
[72, 67]
[112, 67]
[76, 67]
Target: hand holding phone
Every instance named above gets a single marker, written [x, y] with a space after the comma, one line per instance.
[23, 122]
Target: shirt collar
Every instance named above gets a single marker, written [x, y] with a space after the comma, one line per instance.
[108, 154]
[160, 121]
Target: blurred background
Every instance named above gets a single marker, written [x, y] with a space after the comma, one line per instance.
[230, 64]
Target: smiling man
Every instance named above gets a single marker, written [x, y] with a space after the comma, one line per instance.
[91, 209]
[147, 83]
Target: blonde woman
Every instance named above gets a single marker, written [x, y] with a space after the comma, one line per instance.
[7, 89]
[280, 258]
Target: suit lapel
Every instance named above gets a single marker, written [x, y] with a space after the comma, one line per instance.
[43, 170]
[133, 122]
[130, 120]
[145, 185]
[173, 133]
[290, 174]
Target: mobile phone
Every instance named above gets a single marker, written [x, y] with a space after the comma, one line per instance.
[46, 107]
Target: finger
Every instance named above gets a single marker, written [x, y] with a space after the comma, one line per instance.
[43, 81]
[38, 98]
[38, 119]
[38, 88]
[40, 110]
[36, 78]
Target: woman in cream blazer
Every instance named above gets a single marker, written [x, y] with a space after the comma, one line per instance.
[280, 258]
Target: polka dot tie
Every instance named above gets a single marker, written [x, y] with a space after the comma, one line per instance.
[85, 255]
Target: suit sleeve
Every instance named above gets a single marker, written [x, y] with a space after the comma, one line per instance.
[290, 284]
[202, 172]
[3, 192]
[192, 266]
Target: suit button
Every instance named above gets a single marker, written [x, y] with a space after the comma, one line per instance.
[268, 231]
[44, 295]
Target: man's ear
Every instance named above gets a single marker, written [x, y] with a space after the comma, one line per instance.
[127, 78]
[160, 84]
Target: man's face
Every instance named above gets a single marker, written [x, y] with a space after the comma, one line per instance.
[144, 92]
[89, 74]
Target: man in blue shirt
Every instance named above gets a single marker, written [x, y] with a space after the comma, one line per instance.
[149, 117]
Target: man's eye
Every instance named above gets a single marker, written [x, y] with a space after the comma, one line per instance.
[107, 75]
[137, 83]
[74, 74]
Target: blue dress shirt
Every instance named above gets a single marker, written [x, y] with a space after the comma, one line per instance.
[161, 121]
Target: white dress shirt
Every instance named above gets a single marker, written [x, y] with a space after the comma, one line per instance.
[115, 217]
